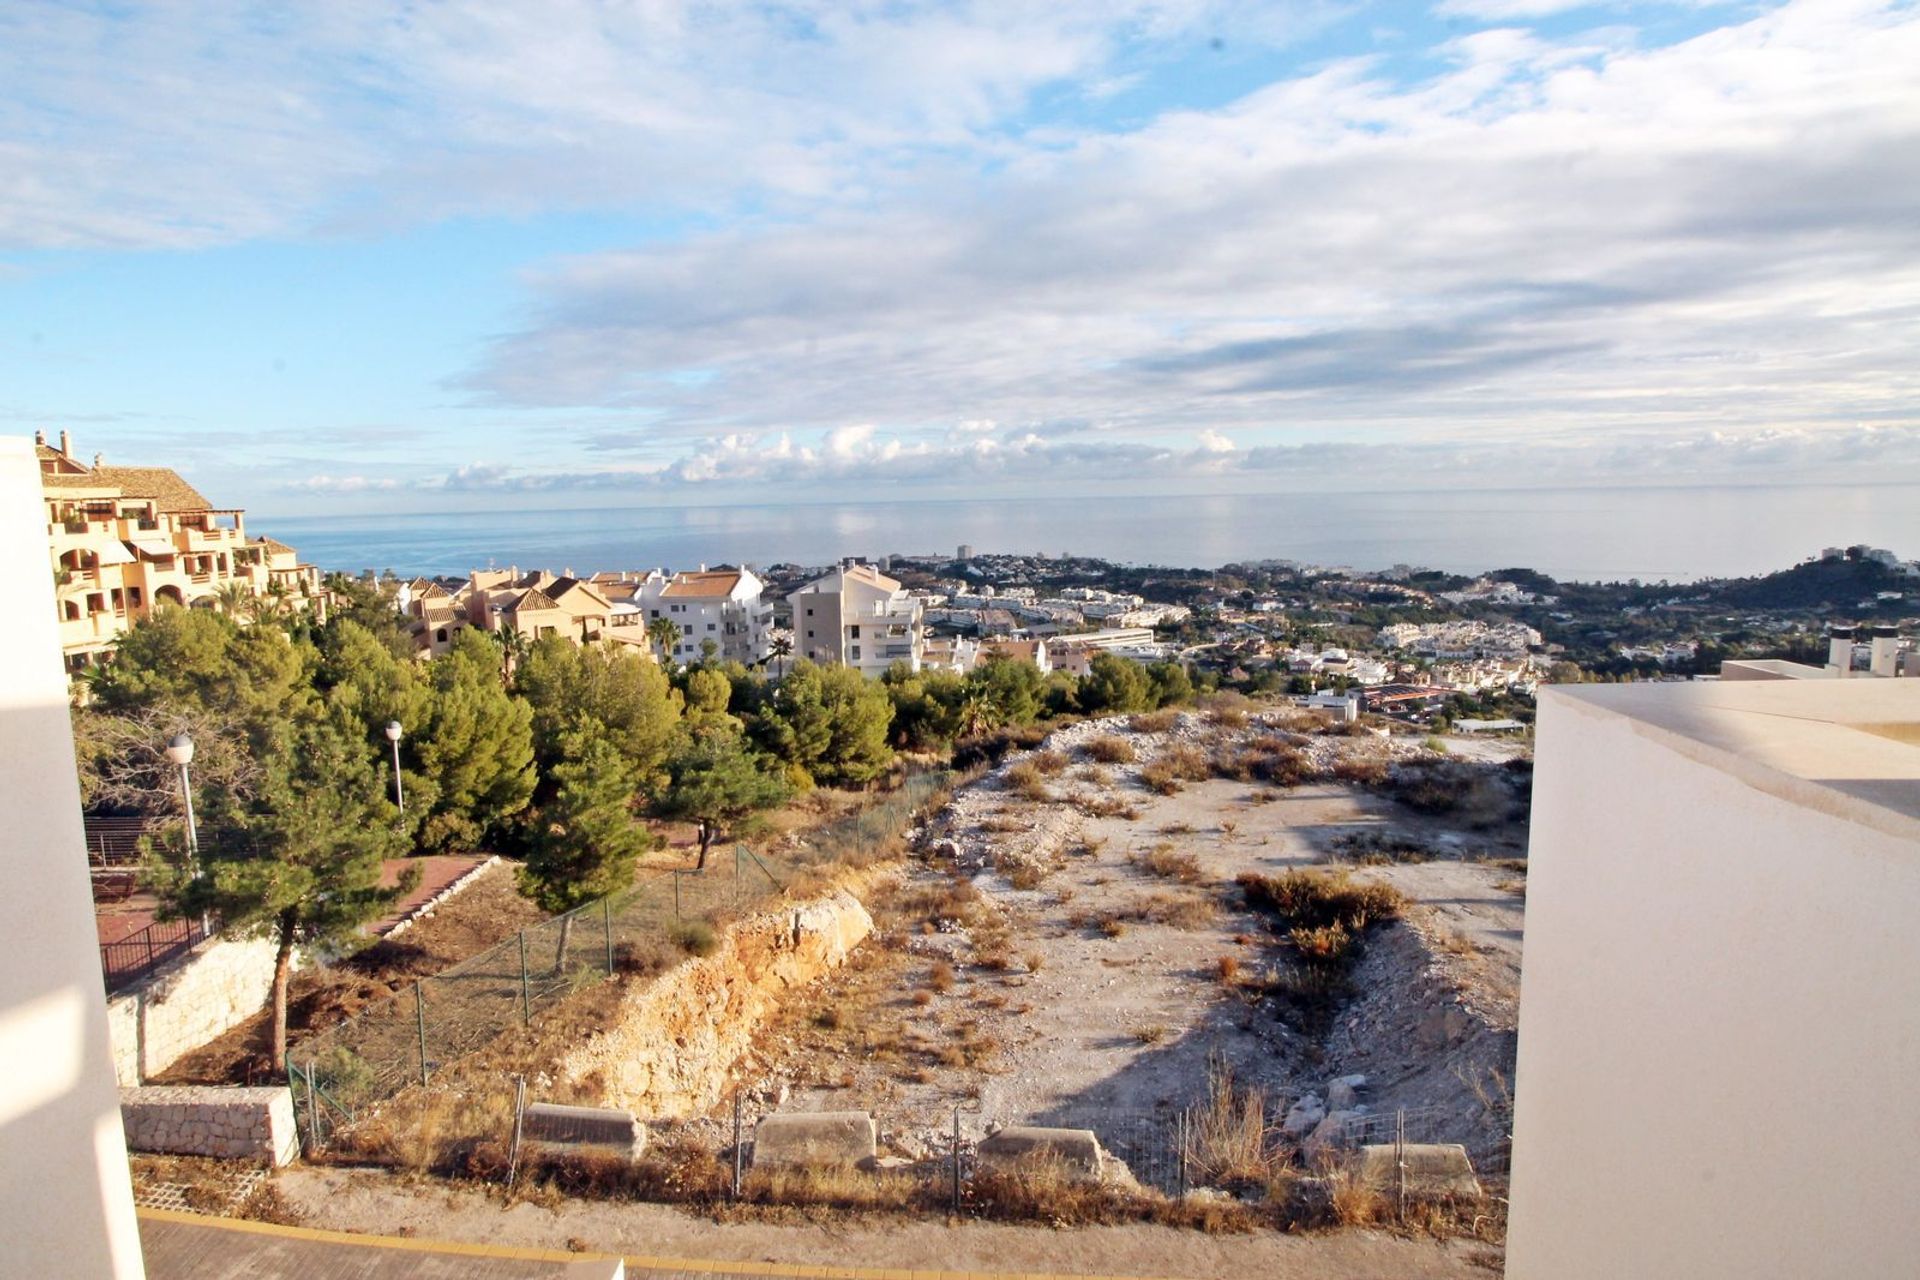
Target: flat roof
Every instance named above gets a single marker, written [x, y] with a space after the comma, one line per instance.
[1848, 747]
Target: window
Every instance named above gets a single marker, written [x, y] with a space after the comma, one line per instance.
[133, 596]
[809, 614]
[441, 635]
[854, 631]
[809, 633]
[710, 626]
[856, 653]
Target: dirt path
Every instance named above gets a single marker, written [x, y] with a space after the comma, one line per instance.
[360, 1200]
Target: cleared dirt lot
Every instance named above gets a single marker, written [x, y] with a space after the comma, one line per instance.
[1076, 948]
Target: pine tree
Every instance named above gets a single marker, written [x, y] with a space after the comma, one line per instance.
[477, 742]
[717, 780]
[585, 839]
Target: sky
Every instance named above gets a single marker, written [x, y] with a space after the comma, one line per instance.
[360, 257]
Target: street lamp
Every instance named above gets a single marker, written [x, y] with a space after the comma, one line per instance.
[393, 736]
[180, 751]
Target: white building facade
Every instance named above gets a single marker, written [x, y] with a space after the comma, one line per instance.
[858, 617]
[721, 605]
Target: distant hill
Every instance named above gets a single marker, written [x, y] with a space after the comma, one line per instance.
[1839, 585]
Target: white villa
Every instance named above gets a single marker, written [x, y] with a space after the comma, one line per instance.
[858, 617]
[722, 605]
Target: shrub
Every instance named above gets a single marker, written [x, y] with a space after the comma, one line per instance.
[1175, 910]
[1026, 780]
[1227, 969]
[940, 977]
[1164, 861]
[1366, 771]
[1034, 960]
[1110, 748]
[695, 937]
[1048, 763]
[1112, 927]
[1161, 778]
[1150, 1033]
[1153, 721]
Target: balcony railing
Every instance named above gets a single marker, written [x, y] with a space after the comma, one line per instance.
[125, 962]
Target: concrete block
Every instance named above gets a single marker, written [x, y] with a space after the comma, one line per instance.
[232, 1123]
[797, 1139]
[1433, 1169]
[1076, 1152]
[556, 1125]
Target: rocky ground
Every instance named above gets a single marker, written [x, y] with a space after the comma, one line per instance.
[1072, 951]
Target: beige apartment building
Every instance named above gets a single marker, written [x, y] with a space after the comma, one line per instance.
[856, 616]
[722, 605]
[534, 604]
[127, 540]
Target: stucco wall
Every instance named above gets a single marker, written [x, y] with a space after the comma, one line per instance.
[668, 1053]
[184, 1006]
[66, 1204]
[1720, 1018]
[226, 1123]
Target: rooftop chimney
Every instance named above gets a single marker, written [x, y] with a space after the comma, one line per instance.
[99, 460]
[1840, 651]
[1886, 652]
[66, 443]
[39, 437]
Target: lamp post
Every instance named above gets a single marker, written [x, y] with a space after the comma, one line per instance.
[180, 751]
[393, 736]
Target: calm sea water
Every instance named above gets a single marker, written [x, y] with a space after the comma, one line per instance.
[1574, 534]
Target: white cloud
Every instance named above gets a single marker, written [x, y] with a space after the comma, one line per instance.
[1544, 242]
[209, 121]
[342, 484]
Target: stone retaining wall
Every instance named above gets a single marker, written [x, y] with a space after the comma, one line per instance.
[189, 1002]
[226, 1123]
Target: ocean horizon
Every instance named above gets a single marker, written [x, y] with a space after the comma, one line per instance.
[1677, 534]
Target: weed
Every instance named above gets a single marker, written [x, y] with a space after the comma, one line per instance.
[922, 998]
[1027, 781]
[1164, 861]
[1034, 960]
[1113, 927]
[695, 937]
[1150, 1033]
[1110, 748]
[1049, 763]
[1153, 721]
[1227, 969]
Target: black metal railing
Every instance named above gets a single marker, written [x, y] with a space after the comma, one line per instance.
[132, 958]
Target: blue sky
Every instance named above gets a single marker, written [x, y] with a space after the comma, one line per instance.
[366, 256]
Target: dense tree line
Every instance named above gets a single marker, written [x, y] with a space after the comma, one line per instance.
[551, 751]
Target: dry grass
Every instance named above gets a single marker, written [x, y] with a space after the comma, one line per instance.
[1175, 910]
[1227, 970]
[940, 977]
[1049, 763]
[1151, 1032]
[1153, 721]
[1027, 781]
[1232, 1144]
[1110, 748]
[1168, 863]
[1109, 806]
[1112, 927]
[1324, 914]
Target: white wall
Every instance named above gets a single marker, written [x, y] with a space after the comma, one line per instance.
[66, 1204]
[1719, 1061]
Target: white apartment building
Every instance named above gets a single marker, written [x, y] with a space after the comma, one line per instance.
[1718, 1007]
[857, 617]
[721, 605]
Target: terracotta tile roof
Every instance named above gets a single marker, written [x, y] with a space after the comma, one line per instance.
[531, 598]
[713, 585]
[275, 546]
[163, 484]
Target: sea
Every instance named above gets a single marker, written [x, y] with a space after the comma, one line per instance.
[1673, 534]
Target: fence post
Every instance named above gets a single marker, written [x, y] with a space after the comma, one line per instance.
[736, 1143]
[420, 1020]
[313, 1111]
[150, 960]
[519, 1111]
[676, 893]
[606, 919]
[1400, 1160]
[526, 998]
[1180, 1136]
[956, 1162]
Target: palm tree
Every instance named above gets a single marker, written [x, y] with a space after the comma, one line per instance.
[779, 651]
[665, 633]
[236, 600]
[514, 647]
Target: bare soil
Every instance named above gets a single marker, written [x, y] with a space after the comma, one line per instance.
[1105, 965]
[489, 910]
[364, 1200]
